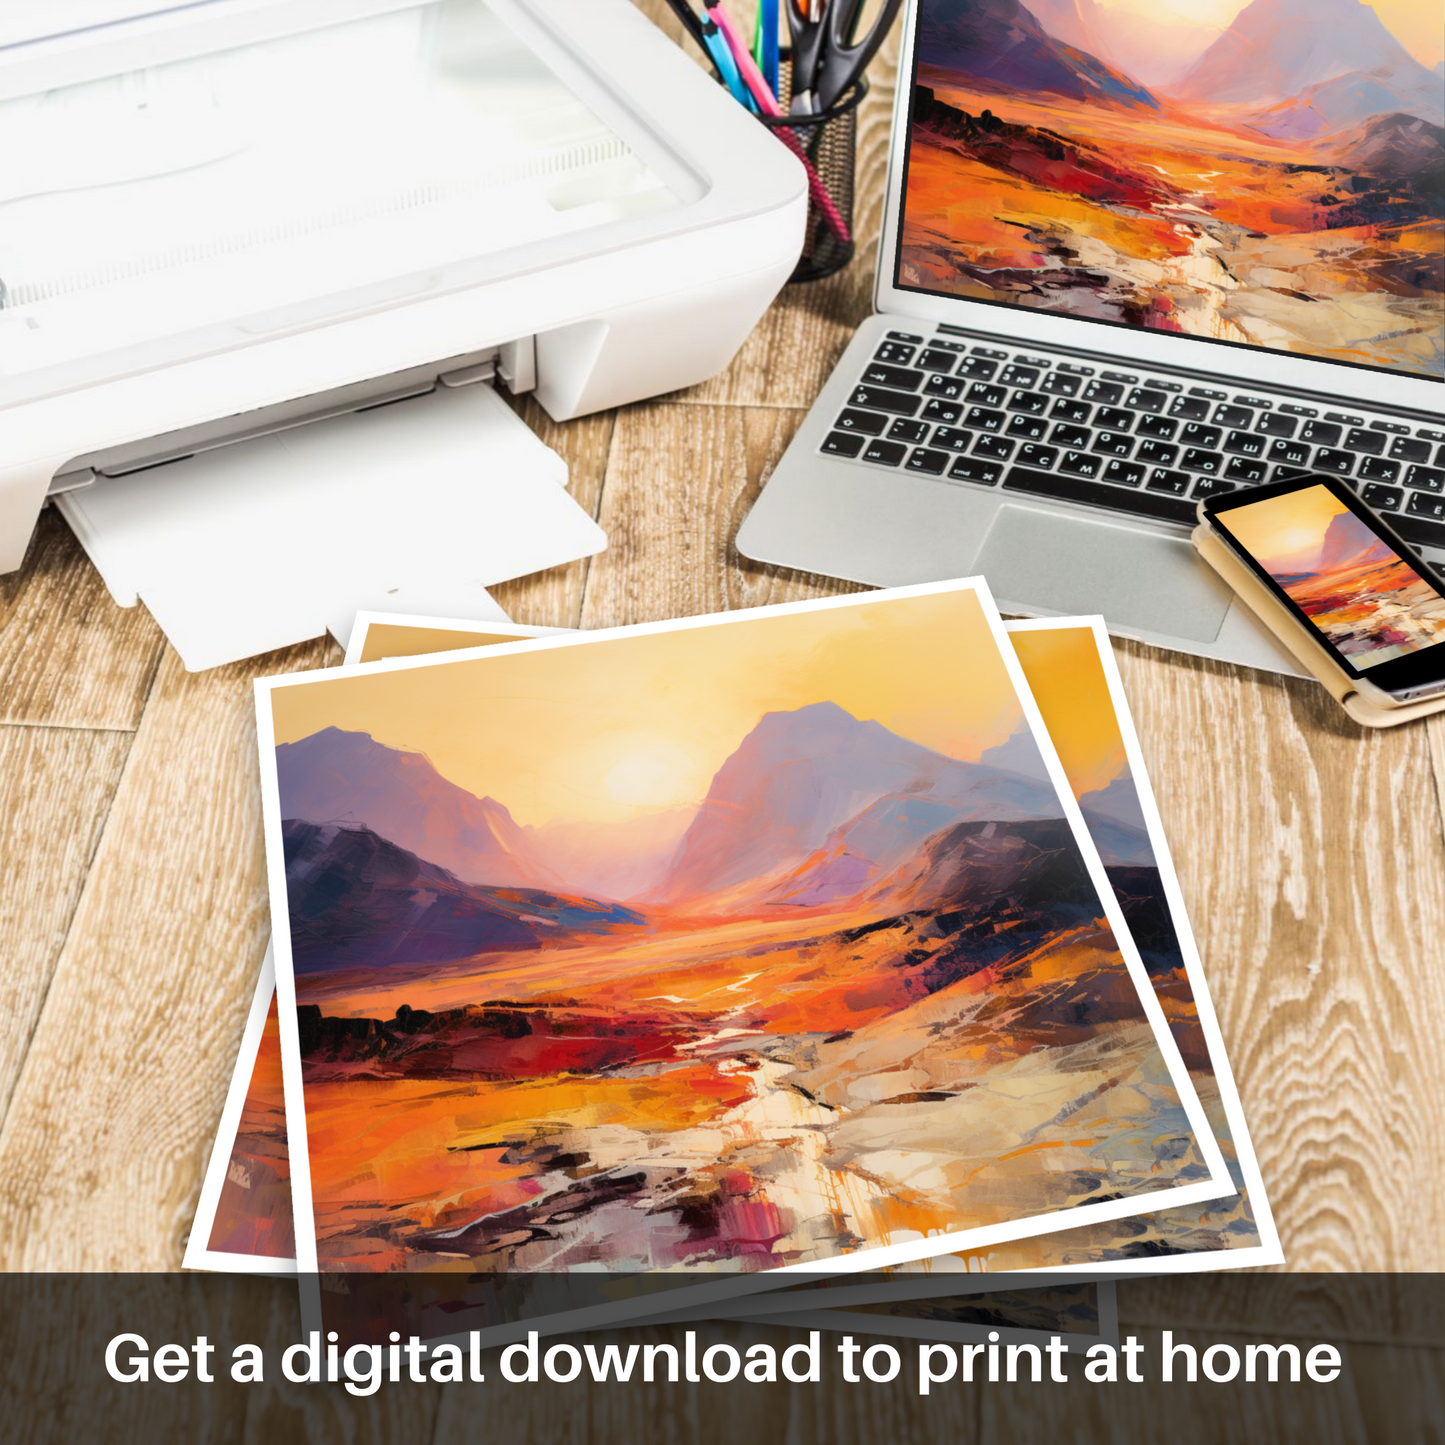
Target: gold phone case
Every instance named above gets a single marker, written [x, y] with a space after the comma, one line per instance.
[1296, 637]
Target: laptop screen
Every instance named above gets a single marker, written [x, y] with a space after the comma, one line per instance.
[1267, 173]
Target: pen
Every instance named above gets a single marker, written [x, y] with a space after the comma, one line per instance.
[724, 56]
[687, 16]
[765, 42]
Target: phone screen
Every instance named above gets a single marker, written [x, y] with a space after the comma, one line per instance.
[1368, 603]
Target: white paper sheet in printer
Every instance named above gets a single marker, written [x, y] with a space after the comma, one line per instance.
[225, 220]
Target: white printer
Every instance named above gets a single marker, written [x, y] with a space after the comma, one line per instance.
[225, 219]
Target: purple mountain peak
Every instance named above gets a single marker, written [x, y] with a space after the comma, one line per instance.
[337, 776]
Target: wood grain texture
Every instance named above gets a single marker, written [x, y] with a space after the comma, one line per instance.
[679, 482]
[112, 1116]
[69, 657]
[56, 786]
[1311, 857]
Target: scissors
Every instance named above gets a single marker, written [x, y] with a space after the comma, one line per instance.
[828, 56]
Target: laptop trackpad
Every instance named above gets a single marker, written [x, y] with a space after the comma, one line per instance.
[1071, 565]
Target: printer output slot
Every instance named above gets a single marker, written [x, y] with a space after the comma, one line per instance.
[514, 363]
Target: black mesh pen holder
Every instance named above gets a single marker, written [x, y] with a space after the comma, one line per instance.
[827, 144]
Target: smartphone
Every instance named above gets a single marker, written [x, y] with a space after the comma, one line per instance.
[1363, 594]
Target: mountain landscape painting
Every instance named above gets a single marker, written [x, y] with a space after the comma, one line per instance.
[1270, 173]
[719, 947]
[1353, 586]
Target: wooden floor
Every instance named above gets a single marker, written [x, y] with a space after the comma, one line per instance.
[133, 906]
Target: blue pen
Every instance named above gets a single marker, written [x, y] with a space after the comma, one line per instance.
[768, 29]
[727, 67]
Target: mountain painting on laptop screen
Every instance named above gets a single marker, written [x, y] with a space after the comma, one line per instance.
[1267, 173]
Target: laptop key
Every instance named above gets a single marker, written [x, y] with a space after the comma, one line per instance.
[1195, 435]
[977, 368]
[944, 411]
[1065, 488]
[1163, 480]
[1113, 418]
[1156, 454]
[1061, 383]
[1246, 469]
[886, 454]
[1081, 464]
[935, 360]
[1377, 469]
[981, 419]
[983, 395]
[1190, 408]
[932, 463]
[877, 374]
[1032, 456]
[1371, 443]
[1124, 474]
[1425, 479]
[1421, 505]
[1034, 403]
[995, 448]
[971, 469]
[895, 353]
[843, 444]
[1159, 427]
[948, 387]
[1406, 449]
[1077, 412]
[1195, 459]
[905, 336]
[1289, 454]
[1274, 425]
[1321, 434]
[953, 438]
[1071, 436]
[867, 422]
[1030, 428]
[1382, 499]
[1016, 375]
[1234, 416]
[904, 430]
[1111, 444]
[1211, 487]
[1144, 398]
[1107, 392]
[877, 398]
[1329, 459]
[1244, 444]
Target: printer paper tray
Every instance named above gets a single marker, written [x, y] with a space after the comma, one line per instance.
[417, 506]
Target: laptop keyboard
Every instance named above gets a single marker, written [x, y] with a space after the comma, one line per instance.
[1143, 444]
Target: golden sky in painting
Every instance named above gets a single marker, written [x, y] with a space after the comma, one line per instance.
[1414, 23]
[1285, 533]
[1067, 680]
[612, 729]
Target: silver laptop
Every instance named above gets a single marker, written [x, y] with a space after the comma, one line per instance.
[1124, 267]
